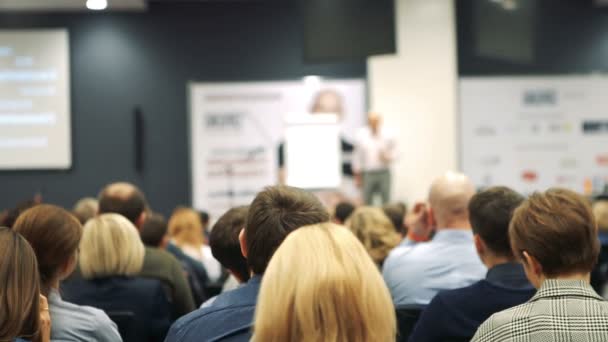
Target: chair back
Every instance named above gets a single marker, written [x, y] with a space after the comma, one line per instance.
[406, 321]
[125, 320]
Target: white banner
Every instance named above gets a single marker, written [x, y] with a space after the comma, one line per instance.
[532, 133]
[236, 130]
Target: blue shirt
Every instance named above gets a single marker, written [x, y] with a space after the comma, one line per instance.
[229, 318]
[71, 322]
[603, 237]
[414, 273]
[455, 315]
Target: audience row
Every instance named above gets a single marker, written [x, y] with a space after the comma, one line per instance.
[464, 265]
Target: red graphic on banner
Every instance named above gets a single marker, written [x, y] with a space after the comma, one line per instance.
[529, 176]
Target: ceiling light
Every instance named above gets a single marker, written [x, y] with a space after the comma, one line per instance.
[97, 5]
[510, 5]
[312, 81]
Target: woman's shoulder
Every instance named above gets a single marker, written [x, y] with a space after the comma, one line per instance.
[84, 322]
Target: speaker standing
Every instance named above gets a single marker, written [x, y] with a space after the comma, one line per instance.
[375, 150]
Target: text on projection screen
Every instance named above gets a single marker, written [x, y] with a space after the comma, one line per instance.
[34, 100]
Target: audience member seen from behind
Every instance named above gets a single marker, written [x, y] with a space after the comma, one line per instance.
[375, 231]
[327, 276]
[599, 276]
[54, 235]
[111, 257]
[85, 209]
[154, 234]
[204, 217]
[554, 234]
[24, 311]
[396, 213]
[415, 272]
[455, 315]
[274, 213]
[226, 248]
[8, 217]
[186, 232]
[342, 212]
[127, 200]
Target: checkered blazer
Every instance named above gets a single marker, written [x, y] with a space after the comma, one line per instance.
[561, 311]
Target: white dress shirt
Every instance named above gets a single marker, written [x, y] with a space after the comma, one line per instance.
[203, 255]
[370, 148]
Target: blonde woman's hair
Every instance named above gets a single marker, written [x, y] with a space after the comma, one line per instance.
[321, 285]
[110, 246]
[375, 231]
[185, 227]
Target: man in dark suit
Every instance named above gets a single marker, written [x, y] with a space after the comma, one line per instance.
[455, 315]
[554, 235]
[599, 275]
[154, 235]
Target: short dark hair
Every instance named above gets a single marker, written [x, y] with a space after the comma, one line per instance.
[130, 206]
[557, 228]
[396, 213]
[11, 215]
[490, 212]
[343, 211]
[224, 241]
[274, 213]
[204, 217]
[153, 230]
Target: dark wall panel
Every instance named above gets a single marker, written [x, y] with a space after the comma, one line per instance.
[348, 29]
[537, 37]
[121, 61]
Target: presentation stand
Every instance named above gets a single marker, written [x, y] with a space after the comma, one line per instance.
[313, 154]
[238, 128]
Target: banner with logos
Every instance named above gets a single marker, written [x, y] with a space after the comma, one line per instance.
[236, 129]
[532, 133]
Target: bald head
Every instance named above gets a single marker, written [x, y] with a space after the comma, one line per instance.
[327, 101]
[124, 199]
[449, 199]
[374, 120]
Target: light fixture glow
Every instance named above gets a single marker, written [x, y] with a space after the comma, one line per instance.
[312, 81]
[97, 5]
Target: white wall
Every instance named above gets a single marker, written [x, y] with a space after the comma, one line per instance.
[415, 90]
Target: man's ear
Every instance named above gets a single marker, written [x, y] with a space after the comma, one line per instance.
[480, 246]
[164, 242]
[243, 243]
[532, 264]
[431, 220]
[139, 223]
